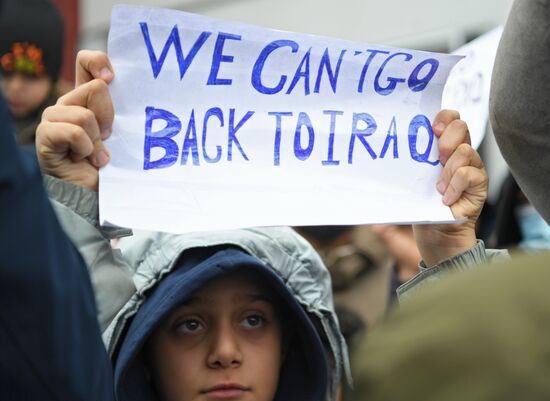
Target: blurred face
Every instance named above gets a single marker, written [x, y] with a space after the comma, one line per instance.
[25, 93]
[223, 344]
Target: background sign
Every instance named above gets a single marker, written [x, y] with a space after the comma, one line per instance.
[468, 86]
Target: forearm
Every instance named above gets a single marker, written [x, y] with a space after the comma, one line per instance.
[77, 210]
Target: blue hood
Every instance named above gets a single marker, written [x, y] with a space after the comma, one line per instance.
[304, 373]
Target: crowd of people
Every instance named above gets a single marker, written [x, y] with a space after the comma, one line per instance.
[266, 314]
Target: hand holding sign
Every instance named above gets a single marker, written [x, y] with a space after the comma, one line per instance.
[69, 140]
[463, 184]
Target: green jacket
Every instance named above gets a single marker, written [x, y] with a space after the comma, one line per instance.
[481, 335]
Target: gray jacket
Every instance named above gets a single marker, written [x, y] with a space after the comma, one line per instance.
[122, 276]
[463, 262]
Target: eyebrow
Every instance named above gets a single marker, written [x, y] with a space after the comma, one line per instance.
[260, 297]
[191, 301]
[253, 297]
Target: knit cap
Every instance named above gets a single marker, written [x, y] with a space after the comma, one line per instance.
[31, 38]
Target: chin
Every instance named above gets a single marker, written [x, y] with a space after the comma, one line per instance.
[18, 113]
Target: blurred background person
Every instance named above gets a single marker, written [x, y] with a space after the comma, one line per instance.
[360, 272]
[31, 53]
[400, 243]
[518, 225]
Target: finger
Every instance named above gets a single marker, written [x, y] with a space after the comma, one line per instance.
[443, 119]
[464, 155]
[100, 155]
[463, 180]
[454, 135]
[92, 65]
[76, 115]
[94, 96]
[57, 140]
[84, 118]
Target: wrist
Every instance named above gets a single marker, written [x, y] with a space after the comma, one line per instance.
[439, 242]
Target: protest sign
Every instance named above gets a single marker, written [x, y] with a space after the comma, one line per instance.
[220, 125]
[469, 83]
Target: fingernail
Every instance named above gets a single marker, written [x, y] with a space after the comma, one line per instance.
[106, 132]
[439, 127]
[441, 186]
[105, 73]
[446, 199]
[101, 158]
[443, 160]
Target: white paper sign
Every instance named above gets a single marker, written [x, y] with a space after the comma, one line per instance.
[468, 86]
[221, 125]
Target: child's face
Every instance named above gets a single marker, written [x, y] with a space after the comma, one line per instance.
[25, 93]
[224, 343]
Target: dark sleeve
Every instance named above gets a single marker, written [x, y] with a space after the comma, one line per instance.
[520, 99]
[50, 342]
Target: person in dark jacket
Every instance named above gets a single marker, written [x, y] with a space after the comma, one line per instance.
[50, 342]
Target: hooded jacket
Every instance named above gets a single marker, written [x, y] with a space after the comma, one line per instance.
[47, 308]
[125, 280]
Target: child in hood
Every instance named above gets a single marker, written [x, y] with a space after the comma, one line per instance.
[244, 314]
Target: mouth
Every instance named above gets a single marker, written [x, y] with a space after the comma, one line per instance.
[16, 106]
[225, 391]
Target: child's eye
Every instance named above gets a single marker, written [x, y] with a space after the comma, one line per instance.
[189, 326]
[253, 321]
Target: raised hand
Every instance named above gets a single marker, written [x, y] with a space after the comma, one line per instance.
[463, 185]
[69, 140]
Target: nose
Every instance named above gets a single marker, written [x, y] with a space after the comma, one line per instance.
[225, 350]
